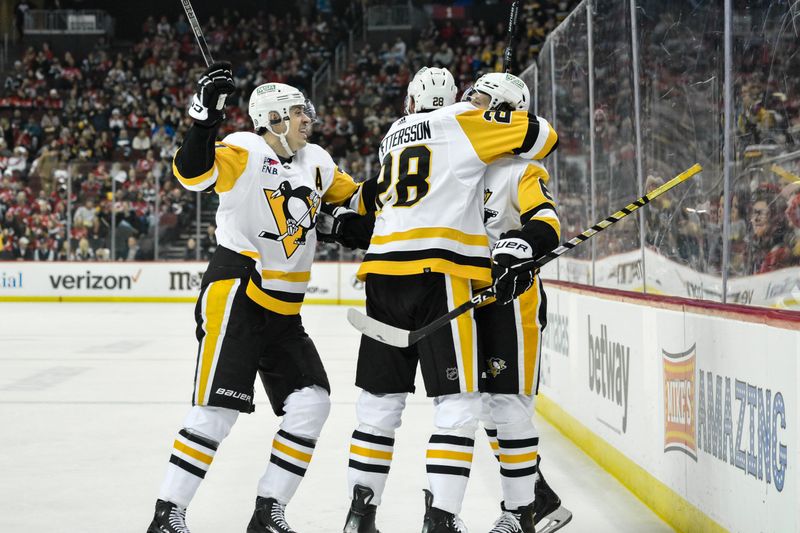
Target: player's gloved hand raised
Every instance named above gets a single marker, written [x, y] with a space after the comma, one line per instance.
[510, 250]
[344, 226]
[207, 107]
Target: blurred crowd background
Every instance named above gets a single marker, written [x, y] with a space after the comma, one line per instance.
[87, 136]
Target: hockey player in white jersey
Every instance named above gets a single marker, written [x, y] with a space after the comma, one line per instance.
[429, 244]
[270, 185]
[522, 223]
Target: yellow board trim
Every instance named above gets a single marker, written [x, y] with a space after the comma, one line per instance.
[366, 452]
[286, 276]
[281, 447]
[446, 454]
[191, 452]
[666, 503]
[433, 233]
[409, 268]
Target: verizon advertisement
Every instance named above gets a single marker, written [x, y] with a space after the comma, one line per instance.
[179, 281]
[706, 405]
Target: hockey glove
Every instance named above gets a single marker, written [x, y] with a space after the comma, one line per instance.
[344, 226]
[214, 86]
[510, 250]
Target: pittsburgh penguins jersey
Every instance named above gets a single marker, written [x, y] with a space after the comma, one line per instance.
[429, 197]
[516, 197]
[267, 210]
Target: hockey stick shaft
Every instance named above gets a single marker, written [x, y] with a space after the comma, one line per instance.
[198, 31]
[508, 54]
[397, 337]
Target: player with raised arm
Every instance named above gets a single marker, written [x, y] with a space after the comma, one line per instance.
[522, 223]
[428, 246]
[270, 185]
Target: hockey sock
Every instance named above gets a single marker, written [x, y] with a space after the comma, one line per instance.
[370, 457]
[190, 460]
[491, 433]
[448, 463]
[518, 448]
[287, 466]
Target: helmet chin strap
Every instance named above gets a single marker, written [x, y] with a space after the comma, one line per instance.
[282, 138]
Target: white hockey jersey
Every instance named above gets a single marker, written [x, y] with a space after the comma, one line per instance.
[516, 191]
[267, 211]
[429, 194]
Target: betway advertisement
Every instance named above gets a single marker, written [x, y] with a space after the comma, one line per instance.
[173, 281]
[705, 404]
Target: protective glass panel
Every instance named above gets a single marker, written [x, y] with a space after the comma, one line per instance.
[681, 82]
[571, 60]
[765, 195]
[617, 249]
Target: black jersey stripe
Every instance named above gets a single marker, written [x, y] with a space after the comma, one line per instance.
[286, 465]
[451, 439]
[518, 472]
[432, 253]
[509, 444]
[530, 136]
[197, 439]
[450, 470]
[374, 439]
[491, 432]
[189, 467]
[364, 467]
[297, 440]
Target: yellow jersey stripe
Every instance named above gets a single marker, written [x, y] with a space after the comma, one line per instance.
[521, 458]
[466, 333]
[447, 454]
[433, 233]
[281, 447]
[269, 302]
[231, 162]
[286, 276]
[342, 188]
[191, 452]
[374, 454]
[491, 139]
[495, 446]
[419, 266]
[529, 309]
[529, 190]
[215, 309]
[552, 137]
[251, 254]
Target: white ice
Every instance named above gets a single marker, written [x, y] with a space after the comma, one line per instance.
[91, 397]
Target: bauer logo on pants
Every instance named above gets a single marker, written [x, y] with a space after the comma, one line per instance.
[680, 422]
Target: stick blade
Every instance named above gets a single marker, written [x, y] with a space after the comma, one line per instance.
[378, 330]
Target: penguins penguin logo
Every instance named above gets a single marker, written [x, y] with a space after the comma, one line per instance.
[295, 214]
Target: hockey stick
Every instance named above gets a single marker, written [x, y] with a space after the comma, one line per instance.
[512, 34]
[402, 338]
[198, 32]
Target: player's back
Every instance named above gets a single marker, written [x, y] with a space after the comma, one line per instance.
[429, 200]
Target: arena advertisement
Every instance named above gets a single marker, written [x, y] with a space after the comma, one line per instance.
[331, 283]
[706, 405]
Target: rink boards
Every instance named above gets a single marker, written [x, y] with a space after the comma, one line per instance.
[693, 408]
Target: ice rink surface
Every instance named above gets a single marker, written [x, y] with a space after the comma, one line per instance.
[92, 395]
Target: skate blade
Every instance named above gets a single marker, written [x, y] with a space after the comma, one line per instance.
[554, 521]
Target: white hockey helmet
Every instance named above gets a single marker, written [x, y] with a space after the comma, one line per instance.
[278, 98]
[431, 88]
[503, 89]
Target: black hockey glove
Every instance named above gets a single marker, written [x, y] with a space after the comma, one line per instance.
[510, 250]
[344, 226]
[207, 107]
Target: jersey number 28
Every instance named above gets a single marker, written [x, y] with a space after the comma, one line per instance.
[413, 171]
